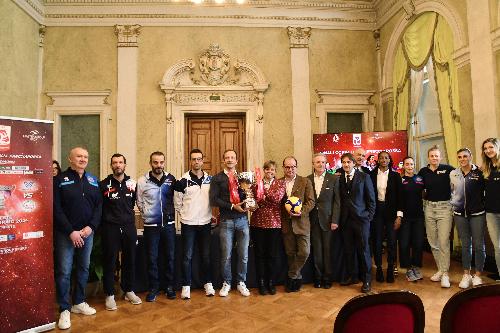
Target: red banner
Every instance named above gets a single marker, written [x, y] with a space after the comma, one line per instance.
[334, 145]
[26, 260]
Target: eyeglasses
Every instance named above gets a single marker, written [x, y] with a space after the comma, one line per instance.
[289, 167]
[197, 159]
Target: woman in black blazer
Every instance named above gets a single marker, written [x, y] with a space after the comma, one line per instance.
[388, 213]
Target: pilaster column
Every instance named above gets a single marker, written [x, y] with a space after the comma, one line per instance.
[301, 97]
[483, 69]
[41, 36]
[126, 106]
[380, 112]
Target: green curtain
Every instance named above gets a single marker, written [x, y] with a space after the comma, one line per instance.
[428, 35]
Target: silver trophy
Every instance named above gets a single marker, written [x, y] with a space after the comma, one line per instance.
[5, 194]
[246, 179]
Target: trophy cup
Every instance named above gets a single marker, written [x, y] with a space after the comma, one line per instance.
[246, 180]
[5, 193]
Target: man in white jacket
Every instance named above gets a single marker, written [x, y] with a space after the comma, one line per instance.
[191, 201]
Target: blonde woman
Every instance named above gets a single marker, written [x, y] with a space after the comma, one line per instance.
[491, 172]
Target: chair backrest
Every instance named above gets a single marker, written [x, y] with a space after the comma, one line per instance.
[391, 311]
[473, 310]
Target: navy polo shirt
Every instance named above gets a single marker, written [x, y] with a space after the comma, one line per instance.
[437, 182]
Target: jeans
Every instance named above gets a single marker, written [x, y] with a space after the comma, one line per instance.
[493, 222]
[438, 223]
[228, 230]
[65, 251]
[191, 233]
[159, 239]
[114, 238]
[383, 227]
[267, 243]
[471, 231]
[411, 236]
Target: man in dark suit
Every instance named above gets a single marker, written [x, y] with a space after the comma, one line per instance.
[296, 227]
[359, 162]
[357, 200]
[324, 218]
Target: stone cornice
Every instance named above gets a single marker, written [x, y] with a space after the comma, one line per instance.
[319, 14]
[385, 10]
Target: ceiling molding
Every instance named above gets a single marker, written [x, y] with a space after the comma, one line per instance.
[33, 8]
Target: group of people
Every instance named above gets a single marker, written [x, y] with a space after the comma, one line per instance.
[365, 206]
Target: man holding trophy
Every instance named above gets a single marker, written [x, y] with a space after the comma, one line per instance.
[230, 198]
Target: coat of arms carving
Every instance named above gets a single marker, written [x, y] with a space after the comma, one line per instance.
[214, 65]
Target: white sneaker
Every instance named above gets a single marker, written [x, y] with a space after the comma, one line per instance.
[476, 280]
[132, 298]
[186, 292]
[466, 281]
[83, 308]
[242, 288]
[437, 276]
[110, 303]
[209, 289]
[445, 281]
[224, 290]
[64, 320]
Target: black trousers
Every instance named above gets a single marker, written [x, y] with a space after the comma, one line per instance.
[356, 234]
[411, 236]
[383, 228]
[321, 249]
[114, 239]
[267, 242]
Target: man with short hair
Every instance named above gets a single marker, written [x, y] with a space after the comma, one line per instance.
[192, 202]
[233, 223]
[118, 231]
[360, 158]
[357, 198]
[324, 219]
[155, 200]
[296, 226]
[77, 214]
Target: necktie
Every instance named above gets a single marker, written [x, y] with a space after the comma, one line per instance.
[349, 182]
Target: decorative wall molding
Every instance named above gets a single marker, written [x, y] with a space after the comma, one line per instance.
[74, 103]
[386, 95]
[41, 34]
[127, 35]
[214, 84]
[345, 101]
[461, 57]
[299, 36]
[33, 8]
[495, 39]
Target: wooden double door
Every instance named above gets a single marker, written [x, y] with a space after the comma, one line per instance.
[213, 135]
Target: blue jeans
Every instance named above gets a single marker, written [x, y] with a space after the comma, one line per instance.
[190, 233]
[65, 251]
[228, 229]
[159, 239]
[493, 221]
[471, 231]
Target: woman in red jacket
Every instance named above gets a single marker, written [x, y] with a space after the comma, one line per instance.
[265, 230]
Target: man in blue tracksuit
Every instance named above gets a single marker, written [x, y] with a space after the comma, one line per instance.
[155, 200]
[77, 213]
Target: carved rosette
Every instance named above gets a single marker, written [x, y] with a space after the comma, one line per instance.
[127, 35]
[299, 37]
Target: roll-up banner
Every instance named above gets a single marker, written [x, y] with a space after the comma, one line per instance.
[26, 260]
[335, 144]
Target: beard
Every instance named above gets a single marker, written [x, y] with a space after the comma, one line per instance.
[118, 172]
[158, 171]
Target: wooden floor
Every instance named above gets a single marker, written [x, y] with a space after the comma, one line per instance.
[310, 310]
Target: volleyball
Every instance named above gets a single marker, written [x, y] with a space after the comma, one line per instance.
[293, 204]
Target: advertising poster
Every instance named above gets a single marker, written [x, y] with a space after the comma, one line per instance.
[26, 260]
[334, 145]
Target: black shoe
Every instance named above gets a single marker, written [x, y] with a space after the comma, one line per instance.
[317, 284]
[390, 274]
[348, 281]
[170, 292]
[366, 287]
[379, 275]
[262, 287]
[289, 285]
[297, 284]
[326, 284]
[271, 288]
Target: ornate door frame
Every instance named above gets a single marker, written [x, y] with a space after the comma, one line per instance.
[217, 87]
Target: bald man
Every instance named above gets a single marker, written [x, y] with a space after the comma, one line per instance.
[77, 213]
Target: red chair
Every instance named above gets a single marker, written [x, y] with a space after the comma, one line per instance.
[473, 310]
[391, 311]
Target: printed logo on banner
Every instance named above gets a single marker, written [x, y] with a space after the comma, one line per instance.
[28, 195]
[34, 136]
[33, 234]
[28, 206]
[336, 138]
[5, 137]
[356, 139]
[29, 185]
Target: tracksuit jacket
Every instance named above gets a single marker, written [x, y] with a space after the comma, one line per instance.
[77, 201]
[118, 200]
[467, 192]
[155, 199]
[192, 200]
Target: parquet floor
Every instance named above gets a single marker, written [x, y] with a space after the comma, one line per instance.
[310, 310]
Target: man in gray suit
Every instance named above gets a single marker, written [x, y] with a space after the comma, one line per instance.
[324, 218]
